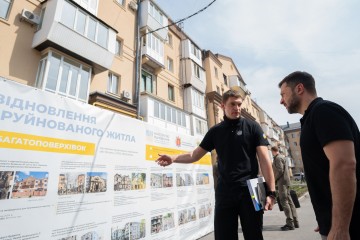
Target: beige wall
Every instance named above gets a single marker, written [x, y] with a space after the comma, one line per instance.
[167, 77]
[18, 61]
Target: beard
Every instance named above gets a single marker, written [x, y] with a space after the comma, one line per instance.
[294, 104]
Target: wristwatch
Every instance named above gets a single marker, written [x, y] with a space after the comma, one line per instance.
[271, 194]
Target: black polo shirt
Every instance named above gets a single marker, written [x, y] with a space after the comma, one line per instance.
[322, 123]
[235, 142]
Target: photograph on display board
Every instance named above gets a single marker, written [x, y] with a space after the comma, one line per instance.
[129, 230]
[30, 184]
[6, 179]
[202, 179]
[186, 215]
[71, 183]
[184, 179]
[161, 180]
[96, 182]
[138, 181]
[122, 182]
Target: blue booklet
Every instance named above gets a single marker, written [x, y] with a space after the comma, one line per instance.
[257, 191]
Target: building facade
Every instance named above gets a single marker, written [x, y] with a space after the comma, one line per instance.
[125, 56]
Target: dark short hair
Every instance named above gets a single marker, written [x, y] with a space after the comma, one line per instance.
[230, 93]
[274, 148]
[293, 79]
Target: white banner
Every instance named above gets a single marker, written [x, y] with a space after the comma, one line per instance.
[69, 170]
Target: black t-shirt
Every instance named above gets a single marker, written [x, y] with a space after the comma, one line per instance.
[235, 142]
[322, 123]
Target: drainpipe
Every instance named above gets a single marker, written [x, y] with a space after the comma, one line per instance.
[138, 60]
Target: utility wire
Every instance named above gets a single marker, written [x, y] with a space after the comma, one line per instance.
[183, 19]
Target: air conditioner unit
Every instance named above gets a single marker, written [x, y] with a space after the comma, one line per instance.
[133, 5]
[30, 17]
[126, 95]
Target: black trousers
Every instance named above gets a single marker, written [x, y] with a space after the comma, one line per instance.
[229, 208]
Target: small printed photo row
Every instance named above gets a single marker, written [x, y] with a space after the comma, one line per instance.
[22, 184]
[129, 231]
[162, 223]
[93, 235]
[129, 181]
[78, 183]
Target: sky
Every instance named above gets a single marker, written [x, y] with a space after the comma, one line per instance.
[268, 40]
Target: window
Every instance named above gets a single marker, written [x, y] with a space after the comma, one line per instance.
[198, 99]
[65, 76]
[5, 6]
[195, 51]
[216, 72]
[169, 114]
[118, 47]
[113, 84]
[292, 135]
[170, 64]
[155, 44]
[170, 39]
[121, 2]
[295, 144]
[171, 93]
[156, 13]
[225, 79]
[90, 5]
[218, 89]
[81, 22]
[147, 83]
[197, 70]
[200, 127]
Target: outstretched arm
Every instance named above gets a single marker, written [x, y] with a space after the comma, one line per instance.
[342, 161]
[195, 155]
[267, 171]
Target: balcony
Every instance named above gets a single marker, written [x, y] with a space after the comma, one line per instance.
[235, 82]
[153, 18]
[153, 51]
[194, 102]
[193, 75]
[161, 114]
[94, 44]
[190, 51]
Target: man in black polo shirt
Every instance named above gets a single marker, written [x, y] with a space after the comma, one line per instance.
[330, 148]
[237, 142]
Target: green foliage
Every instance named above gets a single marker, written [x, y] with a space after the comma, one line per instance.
[300, 189]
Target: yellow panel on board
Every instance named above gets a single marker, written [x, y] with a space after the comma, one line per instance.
[22, 141]
[152, 153]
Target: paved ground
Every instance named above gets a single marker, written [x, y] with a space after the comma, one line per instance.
[274, 219]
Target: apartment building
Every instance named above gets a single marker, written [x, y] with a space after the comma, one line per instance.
[292, 132]
[78, 49]
[172, 87]
[87, 50]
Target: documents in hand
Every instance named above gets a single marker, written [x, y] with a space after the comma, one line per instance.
[257, 192]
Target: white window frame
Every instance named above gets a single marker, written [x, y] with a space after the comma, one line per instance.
[120, 2]
[171, 93]
[152, 83]
[156, 13]
[200, 126]
[98, 26]
[197, 70]
[45, 67]
[6, 12]
[170, 64]
[113, 84]
[198, 99]
[169, 114]
[119, 47]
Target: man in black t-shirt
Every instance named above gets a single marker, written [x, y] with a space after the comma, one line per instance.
[330, 148]
[237, 142]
